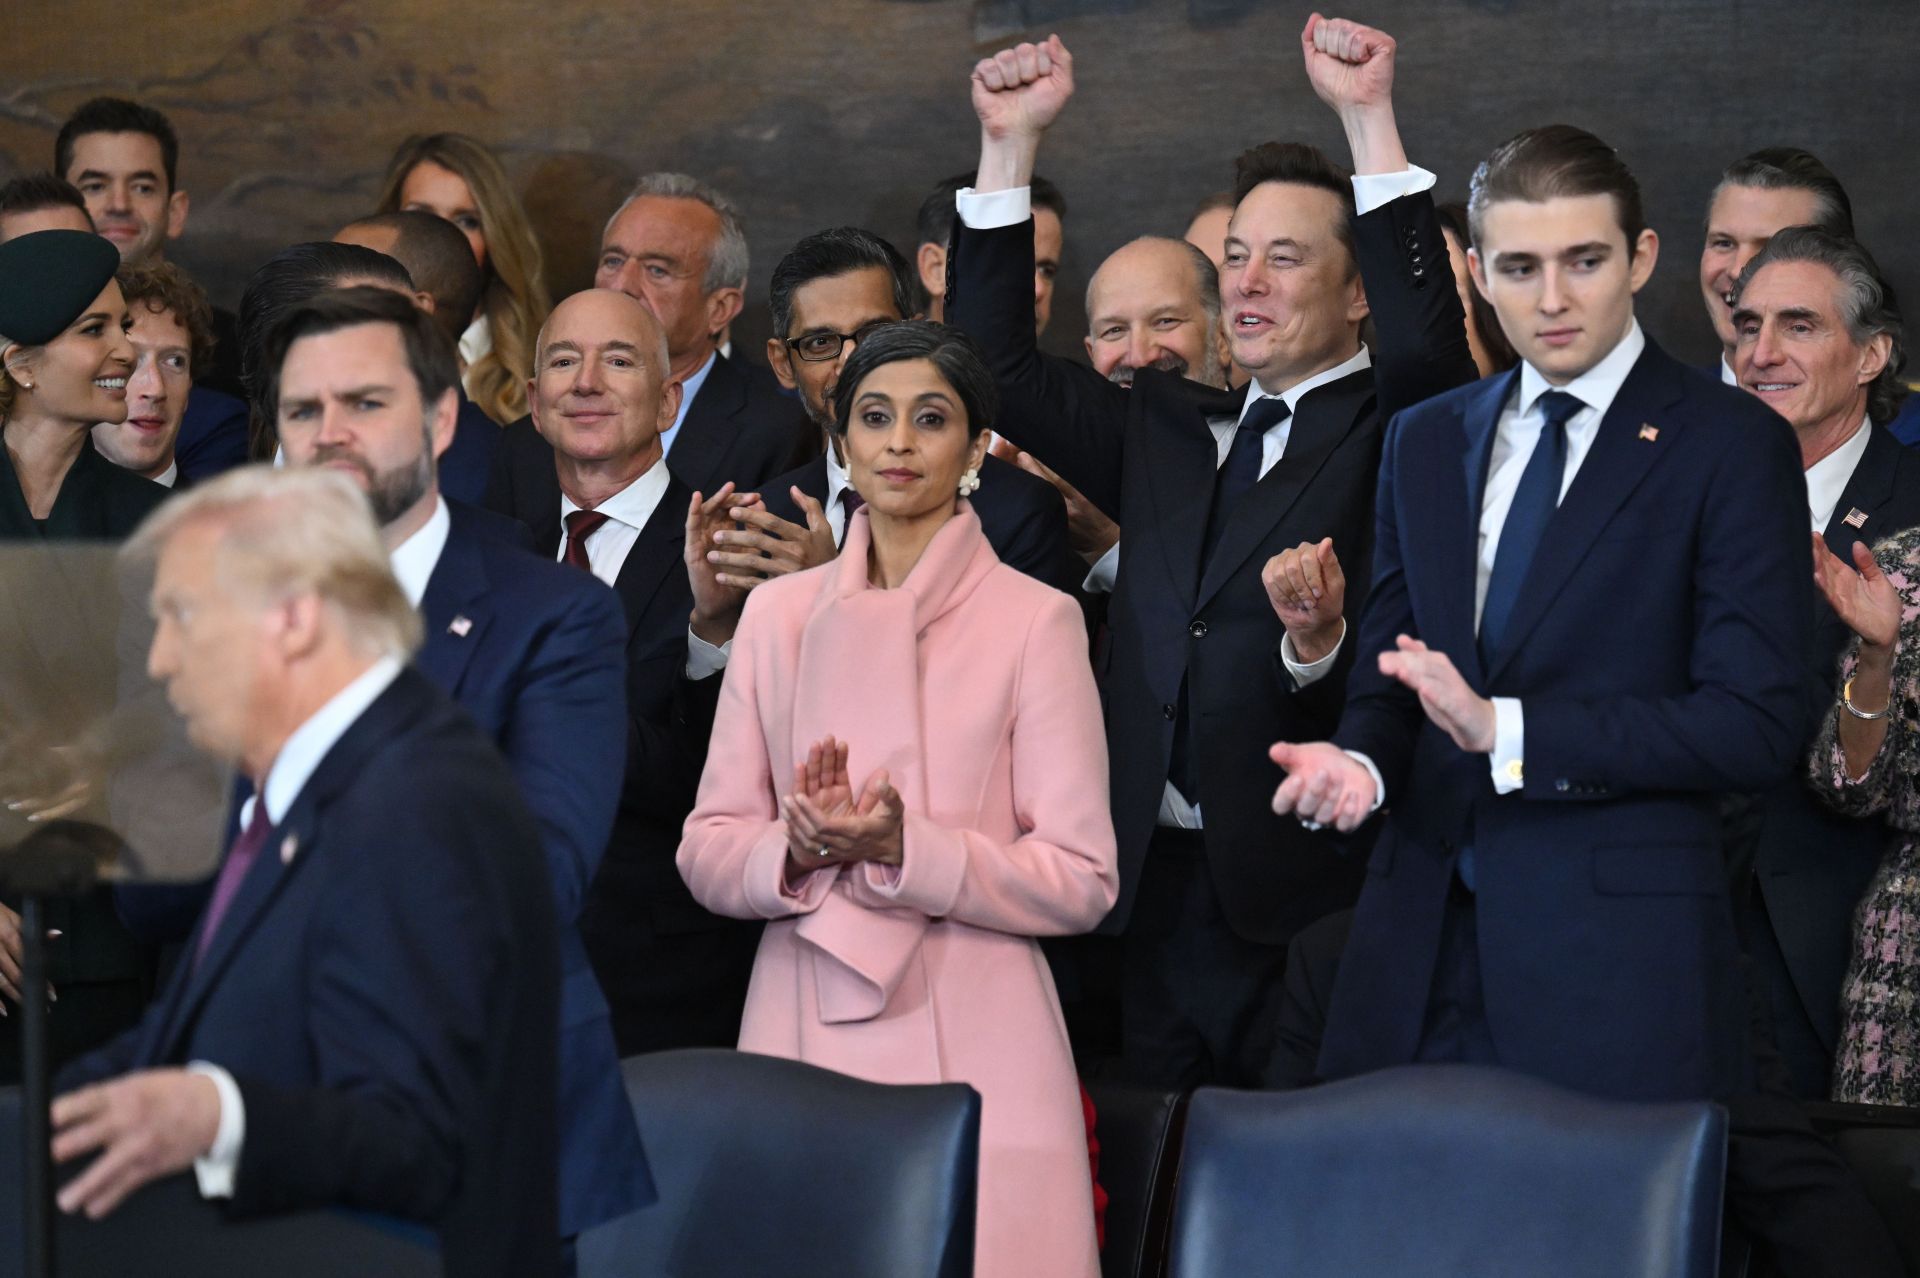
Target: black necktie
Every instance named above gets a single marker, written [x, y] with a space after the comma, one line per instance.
[1241, 470]
[1534, 502]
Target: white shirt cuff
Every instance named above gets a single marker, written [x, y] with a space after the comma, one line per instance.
[1107, 567]
[1379, 786]
[703, 659]
[986, 212]
[1509, 745]
[215, 1169]
[1371, 190]
[1307, 673]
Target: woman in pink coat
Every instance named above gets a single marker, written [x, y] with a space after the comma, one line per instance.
[902, 909]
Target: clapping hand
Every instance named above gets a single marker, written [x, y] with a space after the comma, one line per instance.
[1864, 599]
[770, 546]
[1454, 708]
[716, 601]
[829, 824]
[1325, 785]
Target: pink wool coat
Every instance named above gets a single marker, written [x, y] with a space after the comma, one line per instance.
[970, 685]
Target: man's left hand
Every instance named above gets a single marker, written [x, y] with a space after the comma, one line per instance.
[146, 1125]
[1455, 709]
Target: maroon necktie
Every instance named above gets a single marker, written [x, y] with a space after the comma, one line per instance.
[240, 858]
[851, 500]
[582, 524]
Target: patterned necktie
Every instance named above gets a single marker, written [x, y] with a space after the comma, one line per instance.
[1534, 502]
[1241, 470]
[582, 524]
[240, 858]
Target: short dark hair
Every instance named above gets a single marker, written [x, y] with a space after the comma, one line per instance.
[1213, 203]
[1549, 163]
[1869, 305]
[430, 353]
[947, 348]
[934, 223]
[118, 115]
[438, 260]
[839, 251]
[162, 286]
[1480, 312]
[289, 278]
[1298, 164]
[1792, 168]
[32, 192]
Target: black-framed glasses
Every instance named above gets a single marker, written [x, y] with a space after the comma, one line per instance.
[815, 347]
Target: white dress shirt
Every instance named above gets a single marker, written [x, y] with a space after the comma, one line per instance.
[1726, 371]
[688, 389]
[292, 768]
[1515, 436]
[170, 476]
[1827, 478]
[838, 481]
[627, 512]
[415, 558]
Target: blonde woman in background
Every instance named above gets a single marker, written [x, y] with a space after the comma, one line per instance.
[452, 176]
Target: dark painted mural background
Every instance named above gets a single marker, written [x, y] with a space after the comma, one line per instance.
[816, 113]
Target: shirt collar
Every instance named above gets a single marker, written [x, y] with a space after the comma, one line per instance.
[170, 476]
[838, 480]
[304, 751]
[1295, 393]
[691, 387]
[415, 558]
[1597, 386]
[1827, 478]
[632, 505]
[476, 341]
[1726, 372]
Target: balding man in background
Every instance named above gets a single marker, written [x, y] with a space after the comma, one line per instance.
[365, 1015]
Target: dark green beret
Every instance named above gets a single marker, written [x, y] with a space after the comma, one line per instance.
[47, 281]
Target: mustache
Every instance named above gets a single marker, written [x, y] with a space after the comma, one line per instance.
[340, 452]
[1169, 362]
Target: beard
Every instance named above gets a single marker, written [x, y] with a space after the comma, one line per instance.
[1122, 374]
[391, 493]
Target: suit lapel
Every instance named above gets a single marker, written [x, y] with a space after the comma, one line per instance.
[1480, 423]
[1182, 460]
[1869, 490]
[656, 550]
[707, 431]
[1325, 417]
[455, 612]
[1618, 460]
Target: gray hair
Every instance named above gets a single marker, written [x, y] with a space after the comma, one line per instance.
[296, 531]
[727, 258]
[1867, 301]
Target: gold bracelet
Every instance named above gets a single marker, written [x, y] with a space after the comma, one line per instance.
[1846, 701]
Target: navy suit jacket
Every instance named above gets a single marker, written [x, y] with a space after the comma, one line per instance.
[213, 434]
[1658, 648]
[382, 990]
[533, 651]
[468, 461]
[1022, 516]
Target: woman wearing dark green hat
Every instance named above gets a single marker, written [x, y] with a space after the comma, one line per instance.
[64, 361]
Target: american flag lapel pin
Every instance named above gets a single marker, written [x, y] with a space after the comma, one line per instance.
[1649, 432]
[460, 625]
[1856, 518]
[289, 848]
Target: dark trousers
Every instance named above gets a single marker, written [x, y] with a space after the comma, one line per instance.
[1456, 1025]
[1198, 1001]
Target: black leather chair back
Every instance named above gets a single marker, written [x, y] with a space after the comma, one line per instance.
[768, 1166]
[1139, 1133]
[1445, 1170]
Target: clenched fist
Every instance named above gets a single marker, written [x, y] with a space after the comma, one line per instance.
[1309, 592]
[1018, 92]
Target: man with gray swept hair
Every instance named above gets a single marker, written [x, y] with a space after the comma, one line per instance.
[679, 248]
[1819, 338]
[365, 1012]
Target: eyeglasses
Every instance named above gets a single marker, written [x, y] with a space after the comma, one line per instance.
[816, 347]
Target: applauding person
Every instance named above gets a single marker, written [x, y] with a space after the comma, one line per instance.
[908, 781]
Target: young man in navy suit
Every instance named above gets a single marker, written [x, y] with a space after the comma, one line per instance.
[365, 1014]
[368, 384]
[1590, 609]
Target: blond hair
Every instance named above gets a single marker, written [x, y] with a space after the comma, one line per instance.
[515, 299]
[299, 531]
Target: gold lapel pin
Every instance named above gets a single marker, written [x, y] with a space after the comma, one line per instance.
[1856, 518]
[460, 626]
[1649, 432]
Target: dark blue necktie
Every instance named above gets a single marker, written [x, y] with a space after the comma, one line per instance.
[1241, 470]
[1534, 502]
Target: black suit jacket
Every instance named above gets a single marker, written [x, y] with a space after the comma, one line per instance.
[1800, 867]
[383, 989]
[1022, 516]
[1147, 457]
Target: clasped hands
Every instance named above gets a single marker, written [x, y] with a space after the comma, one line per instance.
[1327, 786]
[735, 543]
[829, 823]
